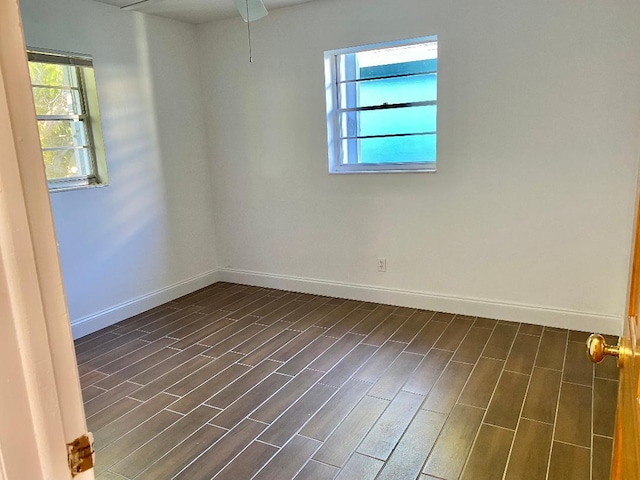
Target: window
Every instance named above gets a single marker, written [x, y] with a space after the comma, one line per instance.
[382, 107]
[64, 92]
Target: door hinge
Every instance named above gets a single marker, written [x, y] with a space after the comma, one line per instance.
[80, 454]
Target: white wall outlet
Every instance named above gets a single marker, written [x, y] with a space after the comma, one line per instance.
[382, 264]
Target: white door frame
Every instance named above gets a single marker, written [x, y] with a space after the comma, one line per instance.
[40, 398]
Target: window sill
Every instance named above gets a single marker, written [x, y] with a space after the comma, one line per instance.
[77, 187]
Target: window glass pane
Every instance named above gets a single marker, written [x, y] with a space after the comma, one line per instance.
[391, 90]
[62, 133]
[391, 121]
[419, 148]
[403, 60]
[66, 163]
[57, 101]
[52, 74]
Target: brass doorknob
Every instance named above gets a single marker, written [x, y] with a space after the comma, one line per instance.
[597, 348]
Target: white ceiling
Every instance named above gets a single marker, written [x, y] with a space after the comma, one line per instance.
[195, 11]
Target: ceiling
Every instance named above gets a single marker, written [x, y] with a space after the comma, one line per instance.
[195, 11]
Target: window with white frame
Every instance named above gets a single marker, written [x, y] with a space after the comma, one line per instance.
[66, 101]
[382, 107]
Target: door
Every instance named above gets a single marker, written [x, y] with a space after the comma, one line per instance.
[626, 449]
[40, 399]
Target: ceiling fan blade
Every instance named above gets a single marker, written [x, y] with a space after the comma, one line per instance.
[257, 10]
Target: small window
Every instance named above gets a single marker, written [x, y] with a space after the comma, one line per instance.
[382, 107]
[64, 93]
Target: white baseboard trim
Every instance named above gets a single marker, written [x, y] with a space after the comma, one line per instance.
[539, 315]
[96, 321]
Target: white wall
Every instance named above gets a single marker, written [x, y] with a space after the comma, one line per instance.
[529, 216]
[149, 236]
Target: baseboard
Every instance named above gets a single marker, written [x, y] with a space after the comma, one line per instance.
[539, 315]
[96, 321]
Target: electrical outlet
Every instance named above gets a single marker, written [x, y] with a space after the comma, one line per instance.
[382, 264]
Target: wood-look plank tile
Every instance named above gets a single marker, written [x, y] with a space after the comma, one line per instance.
[482, 382]
[409, 329]
[251, 307]
[605, 395]
[230, 331]
[347, 323]
[282, 400]
[237, 388]
[312, 317]
[245, 465]
[91, 392]
[131, 465]
[207, 330]
[573, 424]
[109, 397]
[360, 467]
[269, 348]
[107, 355]
[443, 317]
[199, 325]
[552, 349]
[222, 303]
[234, 340]
[408, 457]
[317, 471]
[385, 330]
[145, 319]
[385, 434]
[373, 320]
[91, 377]
[505, 406]
[373, 369]
[182, 455]
[203, 392]
[569, 462]
[135, 356]
[445, 392]
[349, 364]
[249, 402]
[529, 329]
[395, 376]
[289, 350]
[136, 368]
[488, 323]
[488, 457]
[140, 435]
[171, 323]
[197, 378]
[332, 356]
[607, 369]
[344, 440]
[542, 397]
[295, 417]
[580, 337]
[244, 302]
[577, 367]
[265, 335]
[167, 365]
[500, 342]
[523, 354]
[427, 337]
[405, 311]
[171, 377]
[114, 411]
[338, 314]
[96, 338]
[601, 458]
[308, 354]
[304, 310]
[335, 410]
[289, 460]
[222, 452]
[141, 413]
[453, 335]
[527, 463]
[428, 372]
[472, 346]
[454, 443]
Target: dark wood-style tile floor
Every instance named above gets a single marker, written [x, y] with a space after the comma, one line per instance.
[238, 382]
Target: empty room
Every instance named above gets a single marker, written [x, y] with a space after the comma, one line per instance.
[319, 239]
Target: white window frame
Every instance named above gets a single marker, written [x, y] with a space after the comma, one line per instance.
[332, 91]
[90, 116]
